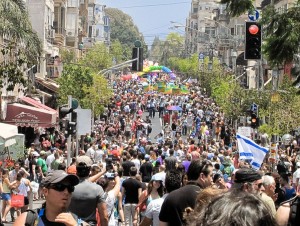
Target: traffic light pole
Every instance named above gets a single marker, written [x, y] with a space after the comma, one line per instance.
[69, 137]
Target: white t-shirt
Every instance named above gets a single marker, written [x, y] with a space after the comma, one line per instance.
[110, 205]
[49, 160]
[296, 175]
[137, 163]
[153, 209]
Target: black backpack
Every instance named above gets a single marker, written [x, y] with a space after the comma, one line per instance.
[32, 215]
[294, 217]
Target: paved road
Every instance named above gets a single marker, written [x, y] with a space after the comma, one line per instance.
[156, 125]
[36, 204]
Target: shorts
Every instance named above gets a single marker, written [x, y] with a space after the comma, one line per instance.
[26, 201]
[5, 196]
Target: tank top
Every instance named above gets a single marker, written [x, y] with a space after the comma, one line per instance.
[6, 189]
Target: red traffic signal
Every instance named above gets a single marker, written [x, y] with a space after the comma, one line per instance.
[253, 41]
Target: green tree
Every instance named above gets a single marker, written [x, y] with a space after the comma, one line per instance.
[97, 95]
[98, 58]
[238, 7]
[67, 55]
[23, 49]
[72, 81]
[281, 34]
[125, 31]
[156, 50]
[16, 26]
[172, 47]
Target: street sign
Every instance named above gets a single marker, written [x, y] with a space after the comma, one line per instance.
[253, 15]
[253, 107]
[201, 56]
[245, 131]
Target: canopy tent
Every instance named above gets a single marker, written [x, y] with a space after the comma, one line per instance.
[7, 134]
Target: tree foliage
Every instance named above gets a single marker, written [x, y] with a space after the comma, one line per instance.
[172, 47]
[15, 26]
[125, 31]
[24, 47]
[72, 81]
[281, 34]
[238, 7]
[97, 58]
[97, 95]
[156, 50]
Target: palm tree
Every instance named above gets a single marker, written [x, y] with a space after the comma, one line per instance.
[16, 27]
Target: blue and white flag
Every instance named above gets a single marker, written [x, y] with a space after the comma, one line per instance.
[249, 150]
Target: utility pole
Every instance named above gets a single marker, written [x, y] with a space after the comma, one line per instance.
[70, 136]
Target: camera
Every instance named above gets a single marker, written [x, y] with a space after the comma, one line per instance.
[110, 175]
[109, 164]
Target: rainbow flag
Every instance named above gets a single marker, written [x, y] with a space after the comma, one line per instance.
[146, 88]
[184, 90]
[161, 84]
[176, 91]
[161, 89]
[168, 90]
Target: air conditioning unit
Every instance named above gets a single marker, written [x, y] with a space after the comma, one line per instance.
[52, 33]
[71, 33]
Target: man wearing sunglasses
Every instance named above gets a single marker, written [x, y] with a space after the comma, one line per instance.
[57, 187]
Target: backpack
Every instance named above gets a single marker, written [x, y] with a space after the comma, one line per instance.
[33, 215]
[294, 217]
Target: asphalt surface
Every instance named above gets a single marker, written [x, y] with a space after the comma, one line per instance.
[35, 205]
[156, 125]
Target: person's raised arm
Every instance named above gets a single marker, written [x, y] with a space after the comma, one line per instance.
[97, 176]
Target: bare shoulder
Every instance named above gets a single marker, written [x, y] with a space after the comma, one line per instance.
[21, 219]
[282, 214]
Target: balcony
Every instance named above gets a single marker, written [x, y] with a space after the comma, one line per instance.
[60, 36]
[59, 2]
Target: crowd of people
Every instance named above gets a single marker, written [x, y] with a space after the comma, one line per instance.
[130, 172]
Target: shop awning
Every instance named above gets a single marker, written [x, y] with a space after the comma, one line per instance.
[36, 104]
[27, 116]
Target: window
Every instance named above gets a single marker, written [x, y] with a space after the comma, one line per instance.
[195, 10]
[73, 3]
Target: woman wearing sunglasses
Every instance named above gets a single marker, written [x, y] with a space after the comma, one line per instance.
[57, 187]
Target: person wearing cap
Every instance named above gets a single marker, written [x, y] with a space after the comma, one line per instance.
[57, 187]
[248, 180]
[88, 197]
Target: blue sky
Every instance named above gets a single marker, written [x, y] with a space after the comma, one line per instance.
[153, 17]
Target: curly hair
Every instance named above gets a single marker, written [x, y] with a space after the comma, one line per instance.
[234, 209]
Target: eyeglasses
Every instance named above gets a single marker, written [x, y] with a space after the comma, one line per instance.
[62, 187]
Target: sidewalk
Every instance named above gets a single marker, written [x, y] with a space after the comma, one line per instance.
[35, 205]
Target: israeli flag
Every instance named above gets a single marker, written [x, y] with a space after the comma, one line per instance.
[249, 150]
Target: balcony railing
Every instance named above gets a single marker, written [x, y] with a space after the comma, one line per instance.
[60, 30]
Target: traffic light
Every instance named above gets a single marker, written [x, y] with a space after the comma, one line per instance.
[254, 121]
[252, 41]
[137, 53]
[70, 128]
[63, 111]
